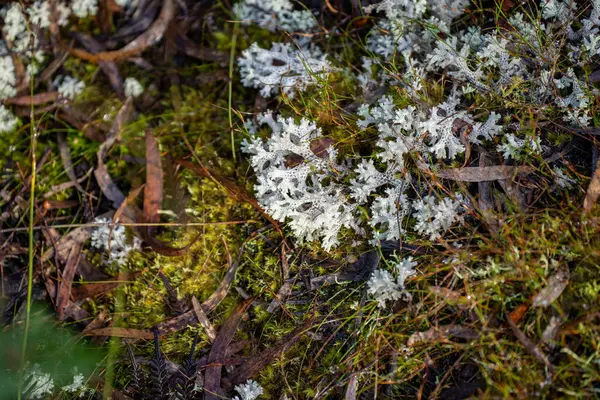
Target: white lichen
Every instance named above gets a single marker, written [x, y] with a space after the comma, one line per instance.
[133, 87]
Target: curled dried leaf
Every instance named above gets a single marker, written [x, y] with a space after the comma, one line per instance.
[319, 146]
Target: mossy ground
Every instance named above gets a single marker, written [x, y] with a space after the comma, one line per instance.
[475, 278]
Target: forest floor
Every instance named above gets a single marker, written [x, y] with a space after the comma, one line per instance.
[140, 258]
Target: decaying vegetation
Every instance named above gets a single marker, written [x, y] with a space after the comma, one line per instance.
[284, 199]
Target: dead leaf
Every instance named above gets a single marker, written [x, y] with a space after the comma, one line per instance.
[593, 191]
[64, 186]
[556, 285]
[482, 174]
[319, 146]
[153, 193]
[125, 208]
[163, 249]
[71, 310]
[351, 388]
[292, 160]
[108, 187]
[122, 118]
[212, 375]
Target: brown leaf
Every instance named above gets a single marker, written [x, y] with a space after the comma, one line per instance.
[121, 332]
[556, 285]
[212, 375]
[71, 310]
[319, 146]
[147, 39]
[481, 174]
[593, 191]
[35, 100]
[64, 287]
[292, 160]
[153, 193]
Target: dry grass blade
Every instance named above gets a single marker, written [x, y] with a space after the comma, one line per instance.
[153, 192]
[212, 376]
[556, 285]
[126, 208]
[593, 191]
[147, 39]
[66, 282]
[215, 299]
[483, 174]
